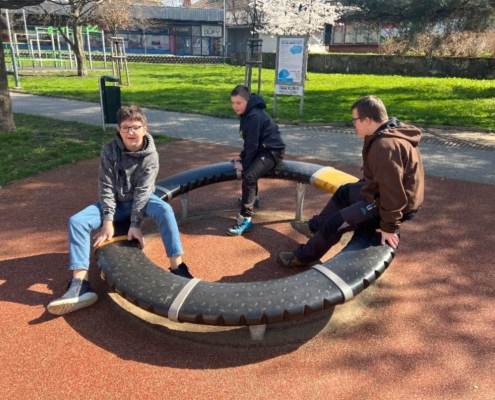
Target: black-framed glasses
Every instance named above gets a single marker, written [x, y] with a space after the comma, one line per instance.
[353, 121]
[131, 128]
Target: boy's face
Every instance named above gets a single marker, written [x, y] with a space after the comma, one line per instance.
[361, 125]
[132, 133]
[238, 104]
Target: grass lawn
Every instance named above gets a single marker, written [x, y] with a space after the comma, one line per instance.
[42, 143]
[205, 89]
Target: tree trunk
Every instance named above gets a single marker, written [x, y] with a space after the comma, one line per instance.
[6, 118]
[82, 69]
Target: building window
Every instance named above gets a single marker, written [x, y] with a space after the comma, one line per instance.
[337, 34]
[350, 35]
[354, 34]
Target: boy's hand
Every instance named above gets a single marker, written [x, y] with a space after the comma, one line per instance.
[391, 238]
[106, 233]
[135, 233]
[238, 166]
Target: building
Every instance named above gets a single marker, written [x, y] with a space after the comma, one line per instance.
[165, 30]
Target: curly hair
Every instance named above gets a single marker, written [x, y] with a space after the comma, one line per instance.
[131, 113]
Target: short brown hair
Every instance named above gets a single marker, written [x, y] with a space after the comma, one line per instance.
[241, 90]
[370, 107]
[131, 113]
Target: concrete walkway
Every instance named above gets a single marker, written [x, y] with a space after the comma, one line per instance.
[453, 154]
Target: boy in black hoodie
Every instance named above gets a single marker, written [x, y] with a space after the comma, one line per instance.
[263, 150]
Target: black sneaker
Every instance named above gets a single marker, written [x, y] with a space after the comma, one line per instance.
[78, 295]
[289, 259]
[303, 228]
[182, 270]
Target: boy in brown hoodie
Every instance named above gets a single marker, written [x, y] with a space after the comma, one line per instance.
[390, 192]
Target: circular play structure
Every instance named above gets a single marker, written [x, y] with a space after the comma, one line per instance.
[132, 275]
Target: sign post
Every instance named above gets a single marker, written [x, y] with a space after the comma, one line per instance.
[290, 68]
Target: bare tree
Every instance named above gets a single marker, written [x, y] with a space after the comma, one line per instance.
[115, 14]
[144, 20]
[75, 14]
[6, 117]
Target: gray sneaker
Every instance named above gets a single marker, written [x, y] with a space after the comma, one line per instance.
[78, 295]
[303, 228]
[256, 201]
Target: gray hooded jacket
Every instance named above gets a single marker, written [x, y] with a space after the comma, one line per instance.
[127, 176]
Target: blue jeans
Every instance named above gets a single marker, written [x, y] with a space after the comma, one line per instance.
[82, 223]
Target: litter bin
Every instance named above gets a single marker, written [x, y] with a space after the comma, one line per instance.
[109, 99]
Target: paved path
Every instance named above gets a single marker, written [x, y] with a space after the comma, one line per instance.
[469, 156]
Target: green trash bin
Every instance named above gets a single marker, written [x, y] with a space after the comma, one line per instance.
[109, 99]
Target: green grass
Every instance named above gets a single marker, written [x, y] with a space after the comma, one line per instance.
[205, 89]
[42, 143]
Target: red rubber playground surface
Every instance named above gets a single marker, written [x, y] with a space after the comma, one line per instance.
[425, 330]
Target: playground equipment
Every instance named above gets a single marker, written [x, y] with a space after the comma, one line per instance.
[44, 45]
[132, 275]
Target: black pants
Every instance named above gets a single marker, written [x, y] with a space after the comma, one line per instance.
[346, 211]
[260, 166]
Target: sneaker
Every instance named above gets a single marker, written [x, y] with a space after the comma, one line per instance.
[78, 295]
[289, 259]
[242, 225]
[182, 270]
[256, 201]
[303, 228]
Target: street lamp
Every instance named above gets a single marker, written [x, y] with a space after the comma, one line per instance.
[224, 30]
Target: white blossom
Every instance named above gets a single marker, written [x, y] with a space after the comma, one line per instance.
[294, 17]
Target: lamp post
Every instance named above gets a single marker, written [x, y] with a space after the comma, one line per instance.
[224, 30]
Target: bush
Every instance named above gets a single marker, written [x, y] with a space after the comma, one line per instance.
[458, 44]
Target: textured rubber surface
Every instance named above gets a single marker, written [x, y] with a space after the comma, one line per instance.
[131, 274]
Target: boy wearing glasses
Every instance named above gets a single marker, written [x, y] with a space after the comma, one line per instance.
[390, 192]
[127, 172]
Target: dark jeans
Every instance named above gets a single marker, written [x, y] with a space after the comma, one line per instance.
[346, 211]
[261, 165]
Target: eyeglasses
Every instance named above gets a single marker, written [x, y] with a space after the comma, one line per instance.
[353, 121]
[130, 128]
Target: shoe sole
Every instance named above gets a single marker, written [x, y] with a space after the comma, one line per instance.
[294, 226]
[65, 306]
[257, 205]
[239, 234]
[282, 264]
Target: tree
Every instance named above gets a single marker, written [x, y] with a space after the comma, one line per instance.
[115, 14]
[143, 20]
[75, 14]
[414, 17]
[289, 17]
[6, 117]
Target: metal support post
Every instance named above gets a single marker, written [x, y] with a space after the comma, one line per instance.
[184, 199]
[257, 332]
[300, 190]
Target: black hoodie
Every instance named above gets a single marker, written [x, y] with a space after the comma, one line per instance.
[259, 132]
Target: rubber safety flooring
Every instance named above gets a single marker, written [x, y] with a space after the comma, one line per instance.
[425, 330]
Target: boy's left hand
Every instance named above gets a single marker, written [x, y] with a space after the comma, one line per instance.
[391, 238]
[238, 166]
[135, 233]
